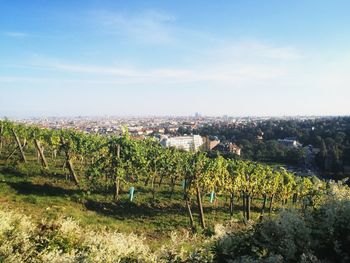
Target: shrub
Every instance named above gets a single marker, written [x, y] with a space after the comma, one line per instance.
[16, 237]
[181, 249]
[322, 235]
[65, 241]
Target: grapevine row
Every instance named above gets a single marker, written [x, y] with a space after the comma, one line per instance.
[121, 160]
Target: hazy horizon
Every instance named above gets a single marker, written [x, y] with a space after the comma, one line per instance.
[14, 117]
[158, 58]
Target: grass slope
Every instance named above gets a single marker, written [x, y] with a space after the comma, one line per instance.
[26, 189]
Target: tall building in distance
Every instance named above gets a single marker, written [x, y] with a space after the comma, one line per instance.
[197, 115]
[187, 143]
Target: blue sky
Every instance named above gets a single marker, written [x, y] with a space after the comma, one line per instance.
[174, 57]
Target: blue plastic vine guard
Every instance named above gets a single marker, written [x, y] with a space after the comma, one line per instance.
[131, 193]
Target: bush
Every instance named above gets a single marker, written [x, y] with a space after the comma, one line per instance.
[16, 237]
[65, 241]
[322, 235]
[181, 249]
[319, 234]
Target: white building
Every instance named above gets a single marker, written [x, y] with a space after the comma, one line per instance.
[187, 143]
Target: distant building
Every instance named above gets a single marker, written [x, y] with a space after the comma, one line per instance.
[233, 148]
[187, 143]
[172, 129]
[228, 148]
[148, 132]
[210, 143]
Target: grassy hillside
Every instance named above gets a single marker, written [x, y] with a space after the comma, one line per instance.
[52, 196]
[47, 197]
[44, 220]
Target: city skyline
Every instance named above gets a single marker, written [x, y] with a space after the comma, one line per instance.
[158, 58]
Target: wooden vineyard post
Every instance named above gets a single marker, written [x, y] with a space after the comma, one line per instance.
[71, 170]
[24, 159]
[271, 202]
[70, 164]
[263, 207]
[244, 206]
[14, 150]
[231, 204]
[116, 178]
[200, 206]
[41, 153]
[188, 206]
[248, 206]
[153, 187]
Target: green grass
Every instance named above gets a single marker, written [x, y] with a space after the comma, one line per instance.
[42, 195]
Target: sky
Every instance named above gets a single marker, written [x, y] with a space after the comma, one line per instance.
[174, 57]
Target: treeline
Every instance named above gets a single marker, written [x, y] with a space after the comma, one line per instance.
[258, 140]
[106, 164]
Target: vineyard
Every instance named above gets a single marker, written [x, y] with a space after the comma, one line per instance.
[126, 171]
[107, 164]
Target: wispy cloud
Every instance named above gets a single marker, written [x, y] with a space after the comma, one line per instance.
[216, 70]
[149, 26]
[276, 75]
[251, 51]
[76, 68]
[15, 34]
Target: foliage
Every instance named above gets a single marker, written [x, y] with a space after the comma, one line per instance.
[107, 164]
[65, 241]
[319, 235]
[259, 140]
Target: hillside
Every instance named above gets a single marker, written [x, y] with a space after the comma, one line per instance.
[59, 189]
